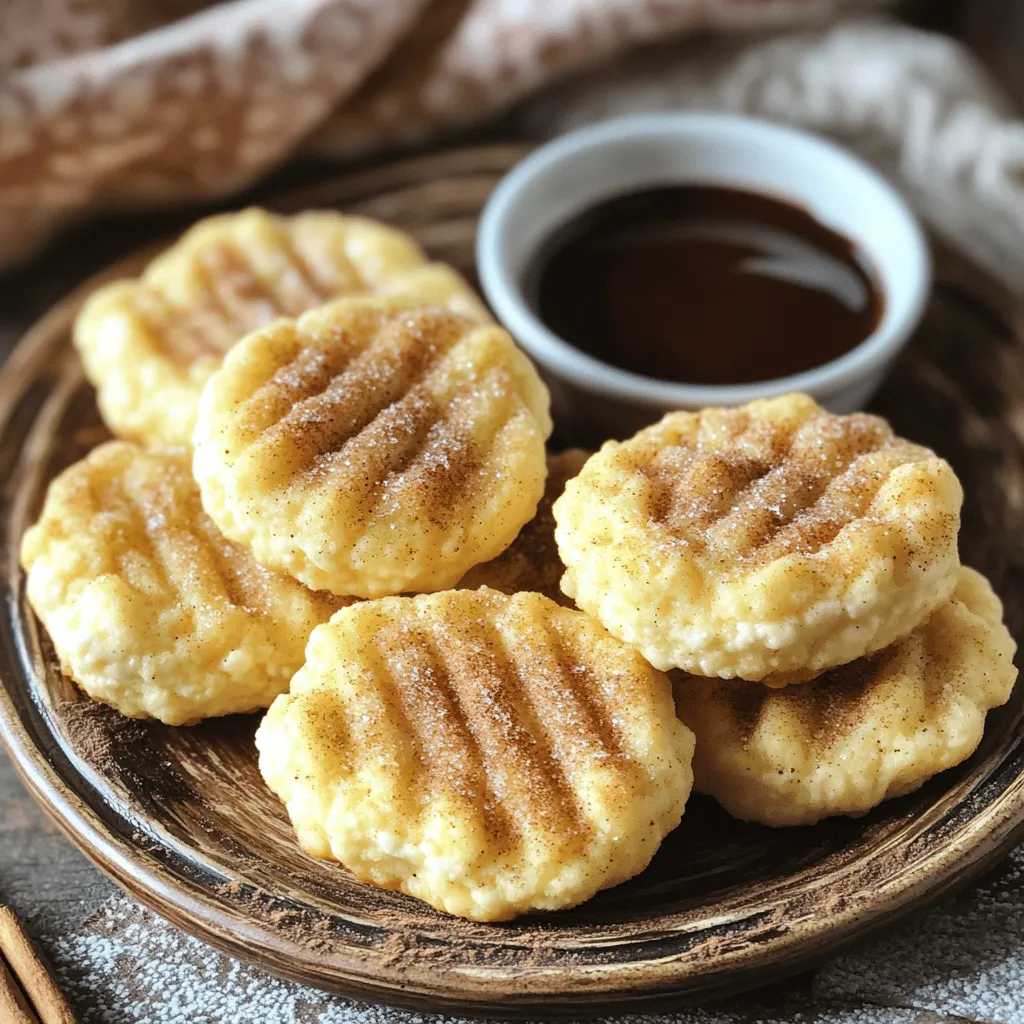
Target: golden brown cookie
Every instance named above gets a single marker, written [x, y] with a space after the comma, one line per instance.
[531, 562]
[765, 540]
[489, 754]
[149, 608]
[370, 449]
[150, 344]
[859, 734]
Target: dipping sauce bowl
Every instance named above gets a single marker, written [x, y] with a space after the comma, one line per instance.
[593, 399]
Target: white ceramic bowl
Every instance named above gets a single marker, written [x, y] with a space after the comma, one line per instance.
[593, 399]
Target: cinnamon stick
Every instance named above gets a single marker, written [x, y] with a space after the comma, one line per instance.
[30, 970]
[13, 1008]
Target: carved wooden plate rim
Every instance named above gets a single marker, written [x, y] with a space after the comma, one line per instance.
[631, 958]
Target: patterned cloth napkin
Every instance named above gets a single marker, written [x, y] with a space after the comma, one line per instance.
[121, 103]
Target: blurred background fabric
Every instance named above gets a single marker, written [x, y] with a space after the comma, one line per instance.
[118, 103]
[121, 104]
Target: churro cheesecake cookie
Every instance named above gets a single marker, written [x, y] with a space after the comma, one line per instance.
[369, 448]
[150, 344]
[770, 539]
[486, 753]
[859, 734]
[149, 608]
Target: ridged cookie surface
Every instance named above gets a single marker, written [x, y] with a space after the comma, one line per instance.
[371, 449]
[531, 562]
[149, 608]
[150, 344]
[489, 754]
[861, 733]
[767, 539]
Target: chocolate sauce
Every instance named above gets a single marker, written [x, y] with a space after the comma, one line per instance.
[704, 285]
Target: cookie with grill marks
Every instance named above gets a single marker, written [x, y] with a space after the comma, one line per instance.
[489, 754]
[531, 561]
[876, 728]
[149, 608]
[150, 344]
[769, 540]
[372, 449]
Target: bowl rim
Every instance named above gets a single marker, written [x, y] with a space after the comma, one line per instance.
[503, 291]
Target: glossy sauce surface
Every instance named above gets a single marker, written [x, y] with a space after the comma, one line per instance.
[704, 285]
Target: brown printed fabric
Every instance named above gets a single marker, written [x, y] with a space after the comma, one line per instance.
[134, 103]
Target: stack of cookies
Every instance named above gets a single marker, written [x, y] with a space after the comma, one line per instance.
[314, 421]
[331, 498]
[797, 573]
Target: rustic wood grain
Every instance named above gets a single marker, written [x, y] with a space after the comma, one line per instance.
[43, 877]
[180, 817]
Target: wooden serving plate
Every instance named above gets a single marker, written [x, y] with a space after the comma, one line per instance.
[181, 819]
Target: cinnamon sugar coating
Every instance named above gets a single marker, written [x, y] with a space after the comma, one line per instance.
[770, 539]
[488, 754]
[150, 344]
[531, 562]
[149, 608]
[859, 734]
[371, 449]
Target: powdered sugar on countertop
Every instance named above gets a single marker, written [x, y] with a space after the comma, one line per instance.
[964, 959]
